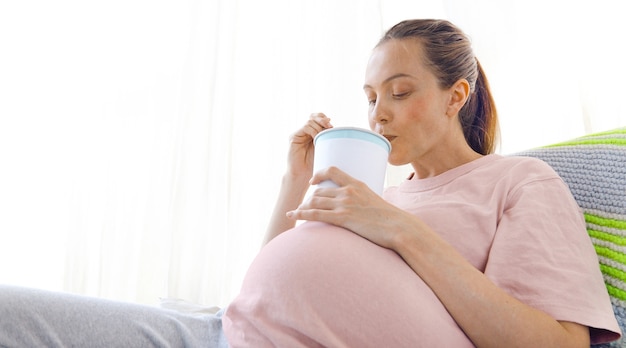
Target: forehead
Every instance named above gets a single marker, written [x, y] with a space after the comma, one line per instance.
[395, 57]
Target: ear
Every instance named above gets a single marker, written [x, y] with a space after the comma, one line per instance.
[459, 92]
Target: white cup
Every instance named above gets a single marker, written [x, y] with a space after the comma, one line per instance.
[359, 152]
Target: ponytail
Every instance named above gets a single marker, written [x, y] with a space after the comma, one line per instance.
[479, 117]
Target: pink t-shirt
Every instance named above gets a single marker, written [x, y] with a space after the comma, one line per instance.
[513, 218]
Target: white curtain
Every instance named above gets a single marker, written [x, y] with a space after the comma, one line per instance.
[142, 142]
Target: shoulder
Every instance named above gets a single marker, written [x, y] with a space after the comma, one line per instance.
[524, 166]
[519, 171]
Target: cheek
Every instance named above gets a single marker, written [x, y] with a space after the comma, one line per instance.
[416, 111]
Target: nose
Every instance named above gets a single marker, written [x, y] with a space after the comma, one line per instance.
[378, 120]
[379, 115]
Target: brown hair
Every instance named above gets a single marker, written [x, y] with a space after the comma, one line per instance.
[449, 53]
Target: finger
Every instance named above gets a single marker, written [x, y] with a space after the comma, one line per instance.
[318, 122]
[333, 174]
[321, 119]
[311, 215]
[312, 128]
[319, 200]
[314, 125]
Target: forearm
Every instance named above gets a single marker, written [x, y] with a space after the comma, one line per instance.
[292, 191]
[487, 314]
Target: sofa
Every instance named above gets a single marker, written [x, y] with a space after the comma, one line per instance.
[594, 168]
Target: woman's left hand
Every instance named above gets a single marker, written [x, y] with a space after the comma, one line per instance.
[354, 206]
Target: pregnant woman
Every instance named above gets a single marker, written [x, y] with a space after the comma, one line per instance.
[473, 249]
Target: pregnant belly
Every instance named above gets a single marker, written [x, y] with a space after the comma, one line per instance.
[321, 285]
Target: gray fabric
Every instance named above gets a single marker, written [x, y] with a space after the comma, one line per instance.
[36, 318]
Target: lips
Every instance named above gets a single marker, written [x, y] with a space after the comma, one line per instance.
[390, 137]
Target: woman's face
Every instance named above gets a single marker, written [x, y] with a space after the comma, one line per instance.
[406, 103]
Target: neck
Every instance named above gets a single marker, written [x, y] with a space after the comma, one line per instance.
[438, 162]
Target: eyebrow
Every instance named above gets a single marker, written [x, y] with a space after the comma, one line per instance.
[392, 77]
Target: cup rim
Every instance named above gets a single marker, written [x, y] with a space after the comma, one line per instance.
[358, 129]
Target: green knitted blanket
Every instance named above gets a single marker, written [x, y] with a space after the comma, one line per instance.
[594, 168]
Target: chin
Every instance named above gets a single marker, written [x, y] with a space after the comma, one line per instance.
[396, 161]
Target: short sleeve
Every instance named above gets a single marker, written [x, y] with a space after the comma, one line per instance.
[543, 256]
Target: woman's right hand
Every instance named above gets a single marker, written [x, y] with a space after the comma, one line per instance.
[300, 170]
[301, 149]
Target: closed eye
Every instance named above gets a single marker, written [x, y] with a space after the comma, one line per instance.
[401, 95]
